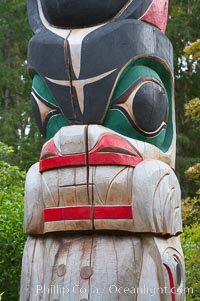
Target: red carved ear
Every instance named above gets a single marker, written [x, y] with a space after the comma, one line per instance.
[157, 14]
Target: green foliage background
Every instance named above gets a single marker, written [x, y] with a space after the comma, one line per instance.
[17, 126]
[191, 248]
[18, 130]
[11, 220]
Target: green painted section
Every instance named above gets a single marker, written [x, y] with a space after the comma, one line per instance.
[40, 86]
[131, 74]
[115, 119]
[55, 123]
[167, 81]
[118, 122]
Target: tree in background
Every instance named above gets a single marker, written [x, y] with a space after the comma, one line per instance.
[184, 19]
[19, 130]
[190, 240]
[191, 205]
[16, 120]
[16, 124]
[192, 51]
[12, 238]
[191, 217]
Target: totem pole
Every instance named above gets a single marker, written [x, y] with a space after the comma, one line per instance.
[103, 204]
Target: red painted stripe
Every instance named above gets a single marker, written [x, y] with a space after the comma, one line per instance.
[171, 282]
[67, 213]
[113, 212]
[62, 161]
[114, 159]
[84, 212]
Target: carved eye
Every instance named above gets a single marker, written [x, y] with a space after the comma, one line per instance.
[146, 107]
[149, 107]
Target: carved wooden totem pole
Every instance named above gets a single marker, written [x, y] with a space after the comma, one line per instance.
[103, 205]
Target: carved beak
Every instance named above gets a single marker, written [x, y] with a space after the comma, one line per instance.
[104, 148]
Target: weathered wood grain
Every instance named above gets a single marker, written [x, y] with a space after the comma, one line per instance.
[156, 198]
[103, 207]
[33, 205]
[100, 267]
[151, 188]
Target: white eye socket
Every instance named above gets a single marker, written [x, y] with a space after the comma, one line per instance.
[147, 106]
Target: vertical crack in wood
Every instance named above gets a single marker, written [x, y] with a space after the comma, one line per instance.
[90, 199]
[55, 258]
[59, 197]
[117, 271]
[89, 284]
[135, 260]
[141, 264]
[69, 72]
[75, 186]
[33, 255]
[93, 203]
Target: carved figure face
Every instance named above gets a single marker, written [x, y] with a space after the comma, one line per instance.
[118, 74]
[102, 95]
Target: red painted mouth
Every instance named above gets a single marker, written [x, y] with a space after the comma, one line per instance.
[109, 150]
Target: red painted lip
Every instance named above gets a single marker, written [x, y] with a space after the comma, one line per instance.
[109, 150]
